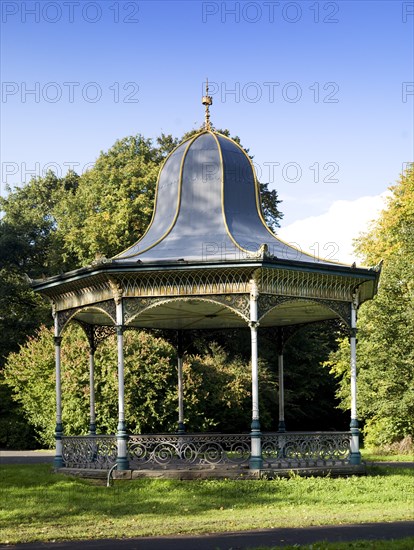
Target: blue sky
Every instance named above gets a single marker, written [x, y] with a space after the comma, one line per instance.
[320, 92]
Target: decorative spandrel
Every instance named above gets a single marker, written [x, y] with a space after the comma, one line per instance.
[96, 334]
[269, 302]
[106, 308]
[237, 303]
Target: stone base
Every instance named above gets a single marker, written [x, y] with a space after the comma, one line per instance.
[217, 472]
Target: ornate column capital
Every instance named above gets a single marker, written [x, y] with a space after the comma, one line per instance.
[117, 289]
[254, 290]
[355, 300]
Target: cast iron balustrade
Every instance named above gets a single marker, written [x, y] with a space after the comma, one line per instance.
[177, 451]
[181, 451]
[89, 451]
[305, 449]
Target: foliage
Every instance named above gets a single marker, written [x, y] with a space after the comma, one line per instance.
[52, 225]
[113, 203]
[15, 432]
[30, 245]
[310, 402]
[216, 387]
[39, 505]
[386, 326]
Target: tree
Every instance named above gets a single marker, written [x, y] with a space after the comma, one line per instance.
[53, 224]
[216, 395]
[113, 203]
[386, 325]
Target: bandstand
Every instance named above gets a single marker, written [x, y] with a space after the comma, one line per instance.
[207, 261]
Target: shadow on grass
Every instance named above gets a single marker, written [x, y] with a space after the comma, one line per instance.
[35, 494]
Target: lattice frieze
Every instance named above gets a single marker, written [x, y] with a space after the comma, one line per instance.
[284, 282]
[81, 294]
[182, 283]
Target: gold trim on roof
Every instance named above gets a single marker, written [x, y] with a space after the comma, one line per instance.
[260, 212]
[190, 140]
[215, 134]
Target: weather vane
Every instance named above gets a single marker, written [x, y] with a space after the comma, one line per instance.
[207, 101]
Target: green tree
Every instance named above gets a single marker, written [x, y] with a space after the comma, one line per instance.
[216, 394]
[30, 246]
[113, 203]
[386, 325]
[53, 224]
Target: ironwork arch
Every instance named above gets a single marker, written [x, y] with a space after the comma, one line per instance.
[68, 315]
[268, 303]
[237, 303]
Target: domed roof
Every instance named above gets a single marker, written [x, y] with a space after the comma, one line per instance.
[207, 208]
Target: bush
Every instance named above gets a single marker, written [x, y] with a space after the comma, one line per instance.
[217, 389]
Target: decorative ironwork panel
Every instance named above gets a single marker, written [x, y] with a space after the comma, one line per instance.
[182, 451]
[238, 302]
[280, 450]
[305, 284]
[91, 451]
[267, 302]
[342, 308]
[96, 334]
[65, 316]
[108, 307]
[81, 293]
[186, 282]
[305, 449]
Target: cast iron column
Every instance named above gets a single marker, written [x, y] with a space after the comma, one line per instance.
[121, 436]
[180, 353]
[92, 417]
[256, 461]
[58, 460]
[355, 455]
[282, 425]
[280, 342]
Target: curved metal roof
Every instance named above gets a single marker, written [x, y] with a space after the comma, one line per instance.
[207, 208]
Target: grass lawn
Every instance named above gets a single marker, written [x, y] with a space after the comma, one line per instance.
[38, 505]
[372, 456]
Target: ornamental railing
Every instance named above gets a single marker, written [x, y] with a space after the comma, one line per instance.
[305, 449]
[89, 451]
[183, 451]
[163, 451]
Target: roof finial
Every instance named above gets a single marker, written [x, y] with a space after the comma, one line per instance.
[207, 101]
